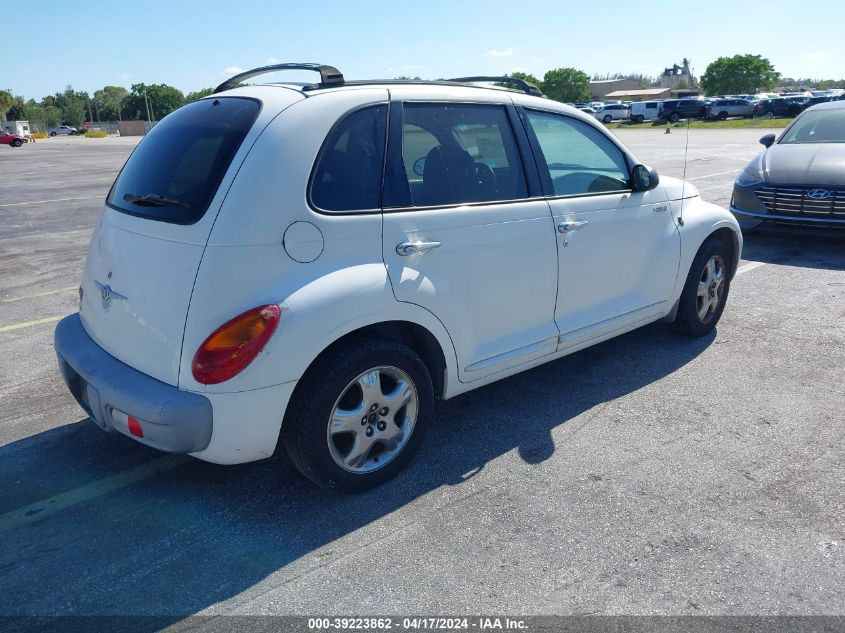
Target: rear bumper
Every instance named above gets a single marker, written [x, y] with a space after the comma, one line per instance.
[171, 419]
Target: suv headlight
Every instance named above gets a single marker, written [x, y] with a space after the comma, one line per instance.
[752, 174]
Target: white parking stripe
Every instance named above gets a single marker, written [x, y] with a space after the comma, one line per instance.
[19, 204]
[39, 294]
[721, 173]
[749, 266]
[46, 507]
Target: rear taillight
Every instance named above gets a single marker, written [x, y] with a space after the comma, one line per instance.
[235, 344]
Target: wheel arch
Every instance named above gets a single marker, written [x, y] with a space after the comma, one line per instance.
[409, 333]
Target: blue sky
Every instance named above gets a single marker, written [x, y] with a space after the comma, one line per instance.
[192, 44]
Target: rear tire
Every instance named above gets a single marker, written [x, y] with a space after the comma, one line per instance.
[52, 133]
[336, 436]
[674, 117]
[705, 290]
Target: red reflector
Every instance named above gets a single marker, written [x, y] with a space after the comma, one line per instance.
[135, 427]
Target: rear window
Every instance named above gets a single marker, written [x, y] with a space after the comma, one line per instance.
[176, 169]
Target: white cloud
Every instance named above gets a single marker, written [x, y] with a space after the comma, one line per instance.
[508, 52]
[271, 60]
[231, 70]
[816, 56]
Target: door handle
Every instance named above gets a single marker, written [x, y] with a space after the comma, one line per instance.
[406, 249]
[565, 227]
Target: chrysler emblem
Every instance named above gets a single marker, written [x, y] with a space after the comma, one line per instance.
[107, 295]
[818, 194]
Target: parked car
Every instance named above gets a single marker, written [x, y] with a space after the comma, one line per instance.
[780, 107]
[723, 108]
[798, 179]
[612, 112]
[228, 305]
[645, 111]
[586, 110]
[64, 130]
[10, 138]
[676, 109]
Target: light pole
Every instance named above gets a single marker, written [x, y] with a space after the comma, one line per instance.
[148, 103]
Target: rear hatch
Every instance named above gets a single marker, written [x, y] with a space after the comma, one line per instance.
[147, 247]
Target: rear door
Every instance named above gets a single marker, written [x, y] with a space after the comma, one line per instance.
[619, 249]
[147, 246]
[467, 235]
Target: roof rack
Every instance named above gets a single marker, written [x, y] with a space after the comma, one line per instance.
[329, 75]
[527, 88]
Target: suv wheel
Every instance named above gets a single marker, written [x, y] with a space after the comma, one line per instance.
[705, 290]
[674, 117]
[359, 414]
[770, 115]
[607, 118]
[52, 133]
[723, 116]
[639, 118]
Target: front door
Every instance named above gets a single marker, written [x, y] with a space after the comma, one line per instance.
[464, 239]
[619, 249]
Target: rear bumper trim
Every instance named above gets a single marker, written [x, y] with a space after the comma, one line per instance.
[173, 420]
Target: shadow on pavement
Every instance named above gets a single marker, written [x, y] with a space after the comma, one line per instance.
[808, 249]
[195, 534]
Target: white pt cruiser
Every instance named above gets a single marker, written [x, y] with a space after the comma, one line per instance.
[312, 265]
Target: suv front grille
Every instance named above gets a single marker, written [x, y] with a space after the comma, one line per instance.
[794, 201]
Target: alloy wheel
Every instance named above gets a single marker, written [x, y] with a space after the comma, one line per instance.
[711, 288]
[372, 420]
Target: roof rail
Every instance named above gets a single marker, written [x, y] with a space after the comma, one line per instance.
[527, 88]
[329, 75]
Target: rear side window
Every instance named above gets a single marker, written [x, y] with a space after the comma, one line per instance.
[348, 172]
[176, 169]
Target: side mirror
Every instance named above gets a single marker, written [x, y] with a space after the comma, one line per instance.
[768, 140]
[644, 178]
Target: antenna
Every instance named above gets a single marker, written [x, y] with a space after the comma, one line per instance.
[684, 179]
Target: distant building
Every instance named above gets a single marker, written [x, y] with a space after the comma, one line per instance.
[651, 94]
[601, 89]
[679, 78]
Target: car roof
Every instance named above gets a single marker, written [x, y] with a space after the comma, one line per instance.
[829, 105]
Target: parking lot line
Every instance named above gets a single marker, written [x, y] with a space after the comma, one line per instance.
[19, 204]
[749, 266]
[46, 507]
[53, 182]
[39, 294]
[721, 173]
[17, 326]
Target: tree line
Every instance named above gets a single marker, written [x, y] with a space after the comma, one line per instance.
[740, 74]
[110, 103]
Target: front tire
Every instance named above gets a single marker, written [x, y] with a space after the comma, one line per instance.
[607, 118]
[674, 117]
[359, 414]
[639, 118]
[52, 133]
[705, 290]
[17, 142]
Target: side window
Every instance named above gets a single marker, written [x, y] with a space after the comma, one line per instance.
[579, 158]
[347, 176]
[459, 153]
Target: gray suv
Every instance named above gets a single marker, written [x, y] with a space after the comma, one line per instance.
[723, 108]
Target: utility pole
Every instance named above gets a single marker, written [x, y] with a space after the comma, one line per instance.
[90, 116]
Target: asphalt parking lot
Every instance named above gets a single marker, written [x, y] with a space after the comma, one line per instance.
[648, 475]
